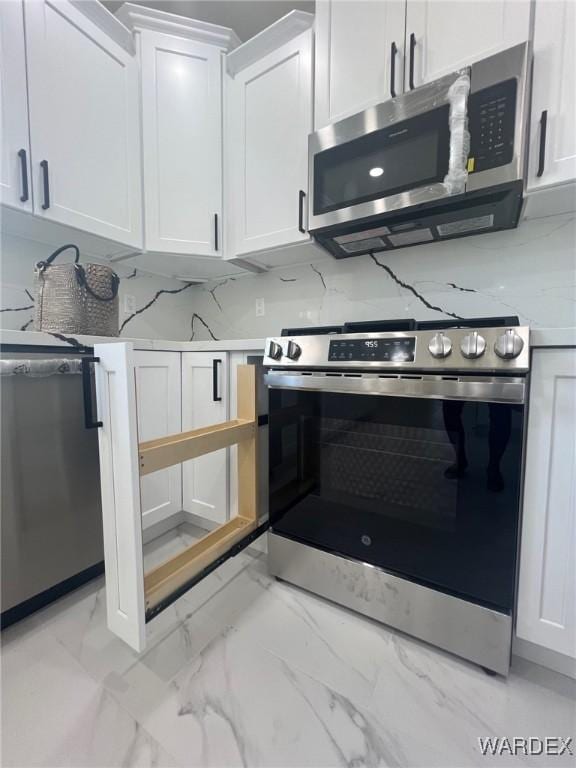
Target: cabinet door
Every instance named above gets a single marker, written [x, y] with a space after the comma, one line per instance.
[269, 117]
[547, 588]
[448, 35]
[553, 93]
[182, 134]
[205, 402]
[15, 185]
[158, 397]
[354, 55]
[84, 123]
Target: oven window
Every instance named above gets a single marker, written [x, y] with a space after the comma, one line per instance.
[405, 156]
[427, 489]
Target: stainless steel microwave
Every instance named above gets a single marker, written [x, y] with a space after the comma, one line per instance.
[378, 179]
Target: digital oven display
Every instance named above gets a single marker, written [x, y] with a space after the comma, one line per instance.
[373, 350]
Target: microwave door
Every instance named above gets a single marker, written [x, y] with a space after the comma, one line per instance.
[394, 167]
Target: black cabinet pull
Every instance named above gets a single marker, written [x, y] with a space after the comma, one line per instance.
[89, 421]
[411, 69]
[393, 52]
[44, 166]
[24, 171]
[301, 197]
[542, 152]
[215, 231]
[215, 396]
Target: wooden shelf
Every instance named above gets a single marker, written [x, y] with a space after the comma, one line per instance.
[166, 579]
[174, 449]
[174, 573]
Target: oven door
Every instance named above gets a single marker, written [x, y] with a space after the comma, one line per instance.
[391, 156]
[418, 476]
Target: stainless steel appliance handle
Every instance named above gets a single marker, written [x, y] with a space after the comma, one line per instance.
[393, 52]
[40, 367]
[497, 389]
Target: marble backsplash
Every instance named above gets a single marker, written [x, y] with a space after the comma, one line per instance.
[529, 272]
[161, 307]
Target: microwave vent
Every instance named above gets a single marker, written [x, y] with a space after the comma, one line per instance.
[366, 244]
[466, 225]
[411, 237]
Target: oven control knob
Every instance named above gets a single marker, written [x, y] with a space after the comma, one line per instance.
[473, 345]
[440, 345]
[294, 350]
[274, 351]
[509, 344]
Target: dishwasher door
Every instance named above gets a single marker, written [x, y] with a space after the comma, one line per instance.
[50, 480]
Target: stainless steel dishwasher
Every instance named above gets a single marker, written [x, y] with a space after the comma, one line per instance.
[51, 516]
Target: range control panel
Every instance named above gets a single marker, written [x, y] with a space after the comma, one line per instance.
[373, 350]
[461, 349]
[492, 114]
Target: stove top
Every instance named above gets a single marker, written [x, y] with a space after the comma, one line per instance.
[497, 344]
[402, 324]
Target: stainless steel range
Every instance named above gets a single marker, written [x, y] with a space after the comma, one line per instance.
[396, 454]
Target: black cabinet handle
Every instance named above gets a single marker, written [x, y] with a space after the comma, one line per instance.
[301, 197]
[215, 231]
[46, 182]
[89, 421]
[393, 52]
[542, 152]
[411, 69]
[24, 171]
[215, 368]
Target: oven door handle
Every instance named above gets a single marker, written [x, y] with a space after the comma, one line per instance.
[489, 390]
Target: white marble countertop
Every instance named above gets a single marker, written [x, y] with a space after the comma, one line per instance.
[43, 339]
[553, 337]
[539, 337]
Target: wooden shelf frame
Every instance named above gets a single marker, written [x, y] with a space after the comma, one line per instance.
[173, 574]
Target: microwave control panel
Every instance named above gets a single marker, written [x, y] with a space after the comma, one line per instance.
[373, 350]
[491, 118]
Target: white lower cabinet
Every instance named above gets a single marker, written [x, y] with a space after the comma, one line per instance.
[546, 614]
[204, 402]
[158, 397]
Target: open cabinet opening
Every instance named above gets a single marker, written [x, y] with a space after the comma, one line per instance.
[134, 596]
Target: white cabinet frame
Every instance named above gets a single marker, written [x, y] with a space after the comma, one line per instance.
[134, 597]
[546, 614]
[120, 488]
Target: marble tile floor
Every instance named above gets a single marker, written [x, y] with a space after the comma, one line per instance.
[248, 671]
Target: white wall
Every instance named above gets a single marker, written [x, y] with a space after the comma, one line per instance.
[529, 272]
[168, 317]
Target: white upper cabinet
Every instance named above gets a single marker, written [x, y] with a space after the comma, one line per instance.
[84, 120]
[15, 187]
[182, 136]
[355, 55]
[552, 158]
[269, 117]
[443, 35]
[159, 399]
[181, 72]
[205, 402]
[547, 587]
